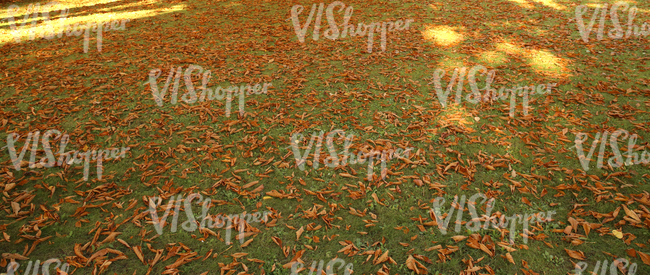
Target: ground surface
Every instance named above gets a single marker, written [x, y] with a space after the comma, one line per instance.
[529, 164]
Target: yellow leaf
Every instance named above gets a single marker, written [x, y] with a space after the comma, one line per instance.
[618, 234]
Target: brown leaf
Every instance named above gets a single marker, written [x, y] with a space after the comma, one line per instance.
[575, 254]
[413, 264]
[486, 250]
[246, 243]
[277, 241]
[631, 214]
[459, 238]
[15, 256]
[16, 207]
[644, 257]
[299, 232]
[138, 252]
[381, 258]
[239, 255]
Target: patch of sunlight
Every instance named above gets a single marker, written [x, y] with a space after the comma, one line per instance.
[493, 58]
[595, 5]
[542, 60]
[509, 48]
[129, 5]
[550, 4]
[456, 115]
[451, 60]
[442, 35]
[609, 6]
[82, 3]
[523, 3]
[449, 65]
[55, 7]
[232, 4]
[39, 30]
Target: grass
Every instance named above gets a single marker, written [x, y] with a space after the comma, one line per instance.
[387, 99]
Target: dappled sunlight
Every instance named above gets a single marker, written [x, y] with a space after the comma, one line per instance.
[452, 60]
[595, 5]
[82, 3]
[233, 4]
[523, 3]
[639, 10]
[442, 36]
[550, 4]
[493, 58]
[125, 6]
[508, 48]
[456, 115]
[450, 64]
[55, 7]
[39, 30]
[543, 60]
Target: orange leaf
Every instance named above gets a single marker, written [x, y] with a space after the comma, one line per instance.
[459, 238]
[631, 213]
[381, 258]
[299, 232]
[416, 266]
[644, 257]
[138, 252]
[510, 259]
[239, 255]
[575, 254]
[245, 244]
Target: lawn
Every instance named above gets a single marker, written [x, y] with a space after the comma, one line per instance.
[199, 178]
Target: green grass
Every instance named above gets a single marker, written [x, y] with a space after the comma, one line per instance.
[326, 85]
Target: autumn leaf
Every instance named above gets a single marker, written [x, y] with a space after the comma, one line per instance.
[381, 258]
[510, 259]
[459, 238]
[575, 254]
[617, 233]
[299, 232]
[631, 214]
[416, 266]
[644, 257]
